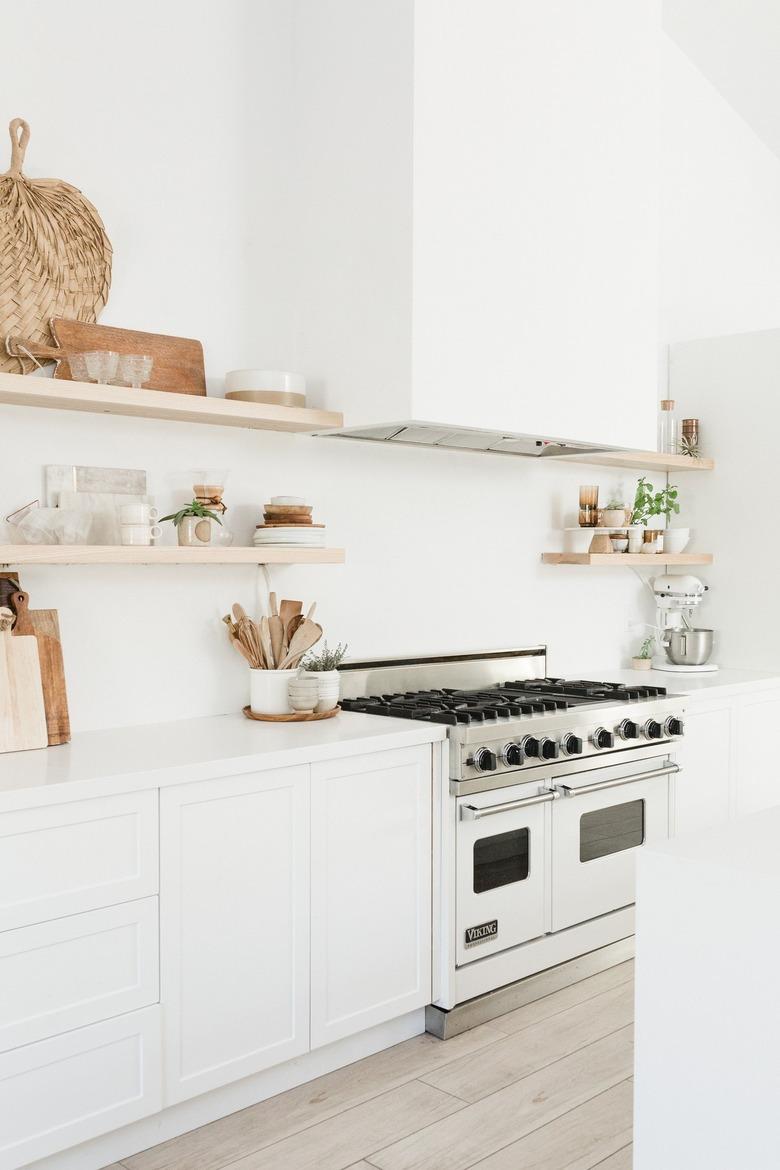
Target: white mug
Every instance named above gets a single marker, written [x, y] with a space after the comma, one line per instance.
[140, 533]
[137, 513]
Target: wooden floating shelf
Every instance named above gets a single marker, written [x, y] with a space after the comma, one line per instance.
[29, 390]
[643, 460]
[617, 560]
[108, 554]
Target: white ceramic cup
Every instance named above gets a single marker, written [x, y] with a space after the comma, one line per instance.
[140, 533]
[137, 513]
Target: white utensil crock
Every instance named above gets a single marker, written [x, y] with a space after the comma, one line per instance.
[269, 691]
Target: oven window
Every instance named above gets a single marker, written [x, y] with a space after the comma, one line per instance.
[501, 860]
[611, 830]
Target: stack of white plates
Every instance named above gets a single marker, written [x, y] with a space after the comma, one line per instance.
[293, 534]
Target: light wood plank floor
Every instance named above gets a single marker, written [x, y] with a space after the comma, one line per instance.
[545, 1087]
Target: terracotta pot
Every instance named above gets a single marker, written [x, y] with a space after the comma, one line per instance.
[642, 663]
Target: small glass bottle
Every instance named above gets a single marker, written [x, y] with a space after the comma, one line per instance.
[668, 437]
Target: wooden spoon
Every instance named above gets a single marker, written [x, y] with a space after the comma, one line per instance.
[239, 645]
[306, 636]
[265, 642]
[276, 631]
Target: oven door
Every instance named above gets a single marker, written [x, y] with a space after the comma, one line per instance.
[502, 869]
[603, 818]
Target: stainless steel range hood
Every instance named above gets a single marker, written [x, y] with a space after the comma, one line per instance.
[421, 434]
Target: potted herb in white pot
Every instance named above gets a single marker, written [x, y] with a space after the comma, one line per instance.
[648, 503]
[324, 667]
[193, 524]
[644, 659]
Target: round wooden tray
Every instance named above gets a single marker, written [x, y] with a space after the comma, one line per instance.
[294, 717]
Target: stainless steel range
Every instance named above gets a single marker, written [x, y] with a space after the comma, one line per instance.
[548, 788]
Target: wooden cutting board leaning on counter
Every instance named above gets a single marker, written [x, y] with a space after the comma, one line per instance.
[28, 688]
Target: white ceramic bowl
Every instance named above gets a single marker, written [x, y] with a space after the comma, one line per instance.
[278, 381]
[676, 539]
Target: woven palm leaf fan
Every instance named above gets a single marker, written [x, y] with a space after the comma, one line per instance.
[55, 257]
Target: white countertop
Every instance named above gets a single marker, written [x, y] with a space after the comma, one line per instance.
[677, 683]
[129, 758]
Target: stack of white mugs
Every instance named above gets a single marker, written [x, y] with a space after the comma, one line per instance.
[136, 522]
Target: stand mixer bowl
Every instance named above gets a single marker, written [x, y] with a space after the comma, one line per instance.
[689, 647]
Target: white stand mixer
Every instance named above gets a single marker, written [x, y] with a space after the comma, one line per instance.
[677, 598]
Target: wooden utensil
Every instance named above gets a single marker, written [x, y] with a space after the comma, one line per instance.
[22, 712]
[307, 635]
[265, 642]
[43, 625]
[288, 610]
[178, 361]
[276, 630]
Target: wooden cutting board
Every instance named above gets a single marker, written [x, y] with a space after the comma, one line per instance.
[22, 714]
[43, 625]
[178, 361]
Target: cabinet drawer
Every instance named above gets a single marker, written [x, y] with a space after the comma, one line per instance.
[60, 1092]
[68, 858]
[76, 971]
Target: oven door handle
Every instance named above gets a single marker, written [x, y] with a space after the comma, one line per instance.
[584, 789]
[471, 812]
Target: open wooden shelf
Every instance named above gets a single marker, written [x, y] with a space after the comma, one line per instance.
[109, 554]
[643, 460]
[617, 560]
[29, 390]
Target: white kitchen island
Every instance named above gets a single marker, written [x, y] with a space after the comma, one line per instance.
[707, 1003]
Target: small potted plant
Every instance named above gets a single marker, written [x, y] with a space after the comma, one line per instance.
[193, 524]
[614, 514]
[649, 503]
[324, 666]
[644, 659]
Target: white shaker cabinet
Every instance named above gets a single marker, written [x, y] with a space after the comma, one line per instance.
[703, 788]
[757, 717]
[234, 907]
[371, 890]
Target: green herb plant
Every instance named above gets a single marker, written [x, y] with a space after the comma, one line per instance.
[326, 659]
[194, 509]
[648, 502]
[646, 649]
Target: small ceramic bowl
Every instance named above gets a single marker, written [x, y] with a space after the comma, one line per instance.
[619, 544]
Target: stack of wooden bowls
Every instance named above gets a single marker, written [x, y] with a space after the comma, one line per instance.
[288, 520]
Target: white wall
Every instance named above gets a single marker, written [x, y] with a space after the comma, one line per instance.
[736, 44]
[720, 239]
[173, 121]
[721, 275]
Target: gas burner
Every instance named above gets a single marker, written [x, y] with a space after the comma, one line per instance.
[582, 691]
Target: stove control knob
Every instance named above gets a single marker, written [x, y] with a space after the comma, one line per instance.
[653, 729]
[674, 726]
[530, 746]
[484, 760]
[548, 748]
[628, 729]
[512, 755]
[571, 745]
[602, 738]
